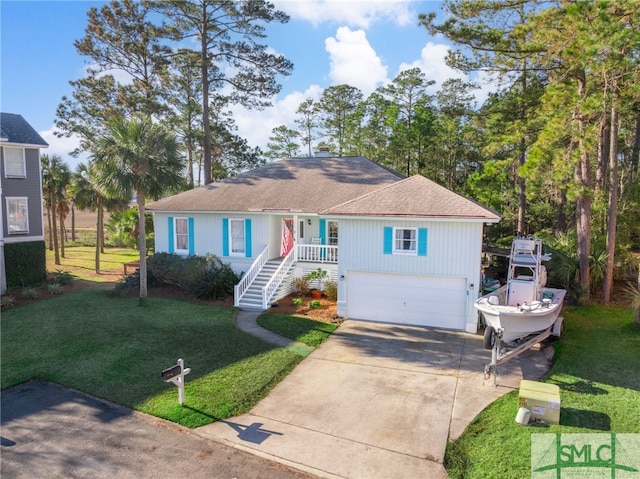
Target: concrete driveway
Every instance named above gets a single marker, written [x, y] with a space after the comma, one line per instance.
[374, 401]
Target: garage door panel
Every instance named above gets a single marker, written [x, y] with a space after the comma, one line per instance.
[408, 299]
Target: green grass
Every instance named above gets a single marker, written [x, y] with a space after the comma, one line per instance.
[80, 261]
[114, 349]
[312, 333]
[597, 367]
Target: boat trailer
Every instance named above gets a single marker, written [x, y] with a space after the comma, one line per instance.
[501, 352]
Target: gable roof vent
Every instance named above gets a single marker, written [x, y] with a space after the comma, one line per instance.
[323, 152]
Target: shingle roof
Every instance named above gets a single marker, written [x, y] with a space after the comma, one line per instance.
[331, 186]
[414, 196]
[308, 185]
[15, 129]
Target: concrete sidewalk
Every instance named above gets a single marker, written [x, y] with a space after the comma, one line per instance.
[374, 401]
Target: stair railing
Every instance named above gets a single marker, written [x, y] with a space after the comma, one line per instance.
[278, 276]
[240, 288]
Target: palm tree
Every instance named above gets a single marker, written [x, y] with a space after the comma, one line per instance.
[138, 158]
[55, 178]
[85, 194]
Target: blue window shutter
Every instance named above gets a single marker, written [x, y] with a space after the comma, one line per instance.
[225, 236]
[171, 238]
[388, 240]
[422, 241]
[247, 238]
[192, 247]
[323, 231]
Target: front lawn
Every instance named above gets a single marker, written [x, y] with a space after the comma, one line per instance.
[114, 349]
[312, 333]
[597, 367]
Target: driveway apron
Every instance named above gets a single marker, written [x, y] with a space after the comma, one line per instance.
[374, 401]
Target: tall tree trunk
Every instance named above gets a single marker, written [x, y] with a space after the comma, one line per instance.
[561, 218]
[102, 232]
[604, 148]
[54, 228]
[635, 152]
[583, 203]
[607, 283]
[50, 226]
[62, 235]
[98, 234]
[73, 223]
[204, 71]
[142, 246]
[522, 156]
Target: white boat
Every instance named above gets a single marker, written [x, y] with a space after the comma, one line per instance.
[524, 305]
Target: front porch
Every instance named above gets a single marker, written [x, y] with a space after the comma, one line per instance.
[268, 279]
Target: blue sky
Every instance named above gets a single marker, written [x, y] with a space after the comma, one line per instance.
[362, 43]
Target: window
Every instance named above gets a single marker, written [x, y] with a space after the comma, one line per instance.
[236, 237]
[14, 165]
[333, 233]
[405, 240]
[18, 215]
[301, 230]
[181, 235]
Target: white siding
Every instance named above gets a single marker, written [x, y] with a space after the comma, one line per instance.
[453, 249]
[208, 235]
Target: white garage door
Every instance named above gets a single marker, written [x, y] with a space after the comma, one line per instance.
[438, 301]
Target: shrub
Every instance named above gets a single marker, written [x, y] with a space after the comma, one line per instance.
[173, 270]
[205, 276]
[25, 263]
[63, 278]
[7, 301]
[55, 288]
[131, 283]
[29, 293]
[297, 301]
[315, 304]
[217, 282]
[331, 290]
[301, 286]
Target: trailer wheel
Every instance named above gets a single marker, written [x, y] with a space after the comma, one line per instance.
[489, 337]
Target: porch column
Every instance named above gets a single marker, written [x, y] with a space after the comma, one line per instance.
[295, 237]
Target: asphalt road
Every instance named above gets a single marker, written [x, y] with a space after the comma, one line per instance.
[48, 431]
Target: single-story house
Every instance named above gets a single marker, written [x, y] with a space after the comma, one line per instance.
[402, 250]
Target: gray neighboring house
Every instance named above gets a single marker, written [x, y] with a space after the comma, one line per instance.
[21, 216]
[402, 250]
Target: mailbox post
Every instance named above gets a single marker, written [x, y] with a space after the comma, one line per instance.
[175, 374]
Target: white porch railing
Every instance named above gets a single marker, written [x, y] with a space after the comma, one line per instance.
[276, 279]
[250, 275]
[317, 253]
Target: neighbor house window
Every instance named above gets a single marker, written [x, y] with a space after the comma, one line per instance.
[181, 232]
[405, 240]
[332, 238]
[18, 215]
[236, 237]
[14, 164]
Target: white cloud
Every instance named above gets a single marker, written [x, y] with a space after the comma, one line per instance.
[357, 13]
[63, 147]
[255, 126]
[432, 64]
[354, 61]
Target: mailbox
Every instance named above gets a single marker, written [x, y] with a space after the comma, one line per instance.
[171, 372]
